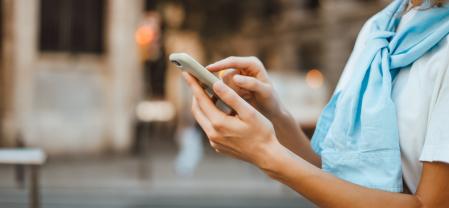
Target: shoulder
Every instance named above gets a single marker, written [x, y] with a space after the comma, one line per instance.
[364, 32]
[434, 65]
[356, 51]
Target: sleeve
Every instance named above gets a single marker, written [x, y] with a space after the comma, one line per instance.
[436, 145]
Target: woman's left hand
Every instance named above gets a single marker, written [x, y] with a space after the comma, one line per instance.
[248, 135]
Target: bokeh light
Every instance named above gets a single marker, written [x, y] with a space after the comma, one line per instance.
[145, 35]
[314, 78]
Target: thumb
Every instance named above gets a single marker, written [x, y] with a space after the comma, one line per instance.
[252, 84]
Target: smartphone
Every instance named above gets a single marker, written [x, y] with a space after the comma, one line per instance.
[186, 63]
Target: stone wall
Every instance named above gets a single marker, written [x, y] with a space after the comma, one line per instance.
[65, 103]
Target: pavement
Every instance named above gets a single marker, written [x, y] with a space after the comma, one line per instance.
[121, 181]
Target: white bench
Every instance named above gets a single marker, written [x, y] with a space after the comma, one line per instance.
[32, 158]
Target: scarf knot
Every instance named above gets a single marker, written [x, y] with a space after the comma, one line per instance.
[380, 38]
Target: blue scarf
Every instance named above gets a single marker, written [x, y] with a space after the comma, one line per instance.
[357, 133]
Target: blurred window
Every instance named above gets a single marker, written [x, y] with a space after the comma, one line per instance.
[312, 4]
[151, 5]
[310, 54]
[74, 26]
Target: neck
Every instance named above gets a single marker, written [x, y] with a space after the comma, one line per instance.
[428, 3]
[416, 2]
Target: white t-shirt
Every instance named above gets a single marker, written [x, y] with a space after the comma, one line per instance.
[421, 95]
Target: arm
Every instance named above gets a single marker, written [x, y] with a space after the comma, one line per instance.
[250, 80]
[292, 137]
[327, 190]
[250, 137]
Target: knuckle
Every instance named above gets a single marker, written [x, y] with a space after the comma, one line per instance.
[213, 145]
[218, 124]
[253, 58]
[231, 59]
[213, 137]
[256, 60]
[267, 90]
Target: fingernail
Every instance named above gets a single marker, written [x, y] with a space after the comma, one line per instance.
[220, 87]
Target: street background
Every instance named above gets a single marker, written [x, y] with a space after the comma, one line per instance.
[89, 83]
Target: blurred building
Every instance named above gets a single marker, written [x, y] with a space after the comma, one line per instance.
[71, 72]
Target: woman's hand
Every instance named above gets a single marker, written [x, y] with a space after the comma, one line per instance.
[248, 135]
[249, 78]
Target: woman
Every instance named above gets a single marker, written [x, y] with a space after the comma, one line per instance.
[386, 122]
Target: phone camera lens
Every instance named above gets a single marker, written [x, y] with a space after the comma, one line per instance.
[176, 63]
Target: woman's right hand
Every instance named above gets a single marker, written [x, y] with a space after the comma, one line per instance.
[249, 78]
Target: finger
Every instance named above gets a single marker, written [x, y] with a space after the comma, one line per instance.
[227, 76]
[224, 74]
[219, 120]
[252, 84]
[189, 78]
[215, 146]
[228, 79]
[203, 100]
[250, 65]
[214, 137]
[231, 98]
[201, 119]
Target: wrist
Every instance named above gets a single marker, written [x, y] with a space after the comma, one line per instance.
[281, 164]
[271, 157]
[283, 121]
[279, 115]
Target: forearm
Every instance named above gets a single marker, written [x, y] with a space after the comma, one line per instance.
[292, 137]
[326, 190]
